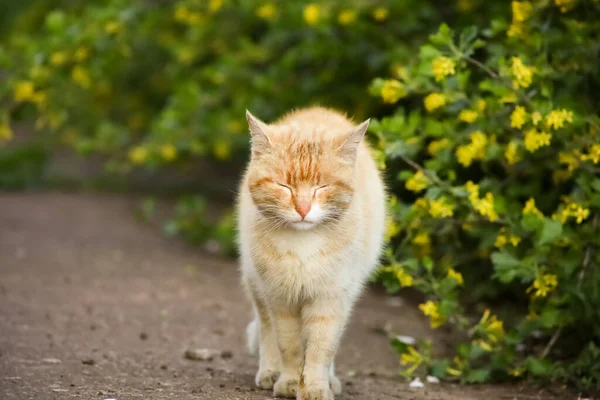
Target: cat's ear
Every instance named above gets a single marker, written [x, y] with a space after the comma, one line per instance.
[259, 133]
[353, 139]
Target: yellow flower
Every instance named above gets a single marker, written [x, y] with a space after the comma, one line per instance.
[6, 133]
[485, 207]
[412, 357]
[434, 101]
[473, 151]
[81, 76]
[391, 229]
[511, 153]
[24, 91]
[509, 98]
[404, 278]
[434, 147]
[503, 239]
[138, 155]
[485, 346]
[182, 13]
[516, 30]
[557, 118]
[453, 371]
[215, 5]
[222, 149]
[457, 276]
[392, 91]
[186, 54]
[431, 310]
[593, 154]
[522, 10]
[515, 240]
[267, 11]
[530, 208]
[347, 17]
[422, 239]
[518, 117]
[535, 140]
[440, 208]
[523, 74]
[312, 13]
[565, 5]
[417, 182]
[58, 58]
[168, 152]
[473, 190]
[468, 116]
[494, 328]
[516, 372]
[442, 67]
[82, 53]
[112, 27]
[536, 117]
[380, 13]
[543, 285]
[570, 159]
[481, 105]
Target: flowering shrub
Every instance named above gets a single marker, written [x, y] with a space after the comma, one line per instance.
[489, 138]
[496, 137]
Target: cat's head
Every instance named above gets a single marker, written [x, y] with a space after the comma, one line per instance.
[302, 179]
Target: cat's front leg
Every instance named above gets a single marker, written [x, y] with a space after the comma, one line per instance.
[261, 334]
[288, 328]
[323, 323]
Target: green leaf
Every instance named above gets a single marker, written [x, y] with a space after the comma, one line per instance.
[477, 376]
[506, 266]
[468, 35]
[538, 367]
[550, 231]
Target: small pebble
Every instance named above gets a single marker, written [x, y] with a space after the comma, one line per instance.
[143, 336]
[88, 361]
[416, 383]
[163, 367]
[226, 354]
[200, 354]
[51, 361]
[432, 379]
[409, 340]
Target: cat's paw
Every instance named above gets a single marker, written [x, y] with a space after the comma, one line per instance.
[286, 386]
[265, 379]
[315, 393]
[334, 384]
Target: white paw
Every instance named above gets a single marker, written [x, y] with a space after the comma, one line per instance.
[286, 386]
[335, 385]
[315, 393]
[265, 379]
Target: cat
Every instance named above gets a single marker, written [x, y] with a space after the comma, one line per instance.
[311, 217]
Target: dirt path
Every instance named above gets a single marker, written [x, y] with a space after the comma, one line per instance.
[94, 305]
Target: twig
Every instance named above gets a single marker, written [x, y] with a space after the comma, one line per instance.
[421, 169]
[495, 75]
[481, 65]
[584, 265]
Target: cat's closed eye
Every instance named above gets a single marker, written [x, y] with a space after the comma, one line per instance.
[285, 187]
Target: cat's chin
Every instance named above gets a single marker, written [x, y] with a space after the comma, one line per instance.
[303, 225]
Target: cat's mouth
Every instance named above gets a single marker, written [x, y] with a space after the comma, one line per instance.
[303, 225]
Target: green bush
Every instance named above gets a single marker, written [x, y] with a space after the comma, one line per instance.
[498, 128]
[488, 135]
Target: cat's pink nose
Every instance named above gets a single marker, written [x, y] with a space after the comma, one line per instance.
[303, 208]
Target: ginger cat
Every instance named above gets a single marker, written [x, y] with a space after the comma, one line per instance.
[311, 216]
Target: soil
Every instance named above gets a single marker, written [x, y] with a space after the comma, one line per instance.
[96, 305]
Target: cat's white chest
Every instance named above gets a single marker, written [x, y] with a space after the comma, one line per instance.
[304, 245]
